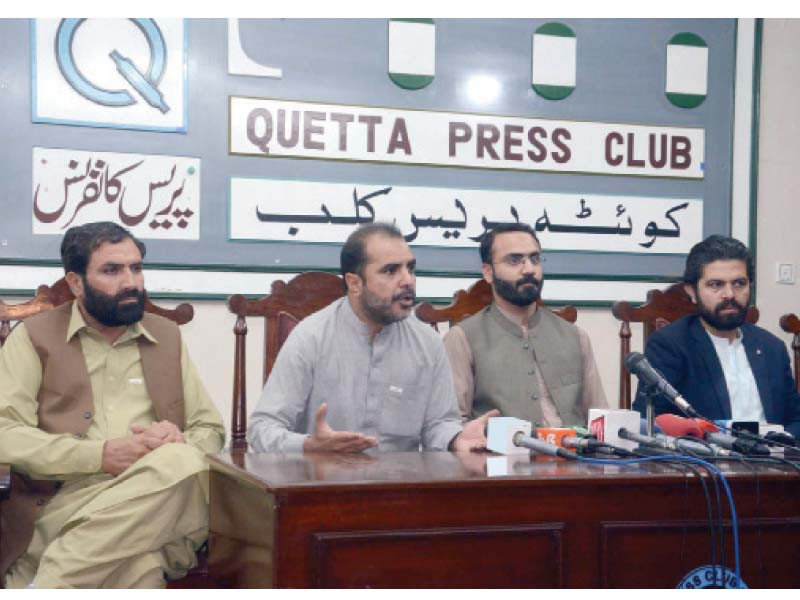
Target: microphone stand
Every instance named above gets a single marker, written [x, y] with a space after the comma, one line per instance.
[650, 392]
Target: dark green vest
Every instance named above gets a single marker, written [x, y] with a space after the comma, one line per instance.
[506, 363]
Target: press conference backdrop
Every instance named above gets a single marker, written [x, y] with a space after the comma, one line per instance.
[252, 148]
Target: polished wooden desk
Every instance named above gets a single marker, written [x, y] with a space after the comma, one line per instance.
[439, 519]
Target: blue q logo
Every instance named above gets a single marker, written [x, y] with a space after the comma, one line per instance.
[144, 83]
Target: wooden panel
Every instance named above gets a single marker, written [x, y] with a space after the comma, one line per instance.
[499, 557]
[659, 555]
[398, 519]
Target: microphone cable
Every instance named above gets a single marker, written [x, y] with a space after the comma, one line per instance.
[703, 463]
[684, 469]
[716, 525]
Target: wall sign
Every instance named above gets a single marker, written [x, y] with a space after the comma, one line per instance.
[315, 211]
[122, 73]
[268, 127]
[153, 196]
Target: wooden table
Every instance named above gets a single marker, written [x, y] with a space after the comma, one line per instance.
[440, 519]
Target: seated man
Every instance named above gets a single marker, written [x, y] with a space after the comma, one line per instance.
[725, 368]
[106, 425]
[360, 373]
[529, 363]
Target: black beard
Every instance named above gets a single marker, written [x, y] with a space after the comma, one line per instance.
[108, 311]
[514, 293]
[723, 322]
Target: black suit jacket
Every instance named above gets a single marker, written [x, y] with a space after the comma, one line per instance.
[684, 354]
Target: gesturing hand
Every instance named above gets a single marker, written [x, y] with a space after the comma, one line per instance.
[325, 439]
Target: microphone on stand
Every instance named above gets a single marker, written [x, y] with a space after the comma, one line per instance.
[637, 363]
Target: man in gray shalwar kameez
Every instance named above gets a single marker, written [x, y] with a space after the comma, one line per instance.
[360, 373]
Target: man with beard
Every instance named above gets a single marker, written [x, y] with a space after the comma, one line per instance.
[106, 425]
[725, 368]
[516, 357]
[359, 373]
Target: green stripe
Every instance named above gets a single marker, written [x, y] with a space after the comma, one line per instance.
[756, 120]
[437, 300]
[552, 92]
[557, 29]
[445, 274]
[688, 39]
[426, 21]
[685, 100]
[408, 81]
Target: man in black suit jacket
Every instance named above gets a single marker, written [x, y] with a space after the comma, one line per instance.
[725, 368]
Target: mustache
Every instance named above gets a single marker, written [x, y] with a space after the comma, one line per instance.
[528, 279]
[729, 304]
[404, 293]
[135, 294]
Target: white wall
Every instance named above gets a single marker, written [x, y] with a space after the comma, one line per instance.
[778, 222]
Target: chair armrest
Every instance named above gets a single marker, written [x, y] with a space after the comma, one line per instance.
[5, 481]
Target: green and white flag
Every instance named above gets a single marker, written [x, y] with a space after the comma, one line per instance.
[687, 70]
[412, 52]
[554, 50]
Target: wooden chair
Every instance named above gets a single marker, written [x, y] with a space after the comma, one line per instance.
[660, 309]
[790, 323]
[467, 303]
[48, 297]
[282, 309]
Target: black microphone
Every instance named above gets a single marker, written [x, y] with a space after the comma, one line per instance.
[738, 444]
[590, 444]
[667, 442]
[582, 443]
[637, 363]
[540, 446]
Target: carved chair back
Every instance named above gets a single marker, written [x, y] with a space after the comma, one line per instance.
[282, 309]
[660, 309]
[50, 296]
[468, 302]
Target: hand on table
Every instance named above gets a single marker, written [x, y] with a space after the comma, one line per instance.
[473, 436]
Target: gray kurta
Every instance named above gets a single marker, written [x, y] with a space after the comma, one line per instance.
[397, 388]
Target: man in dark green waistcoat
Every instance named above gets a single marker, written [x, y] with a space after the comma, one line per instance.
[516, 356]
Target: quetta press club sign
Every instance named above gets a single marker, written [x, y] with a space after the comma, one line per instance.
[270, 127]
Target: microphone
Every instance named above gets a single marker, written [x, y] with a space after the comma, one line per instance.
[582, 443]
[679, 426]
[510, 436]
[606, 422]
[637, 363]
[553, 435]
[500, 433]
[539, 446]
[743, 445]
[672, 444]
[781, 438]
